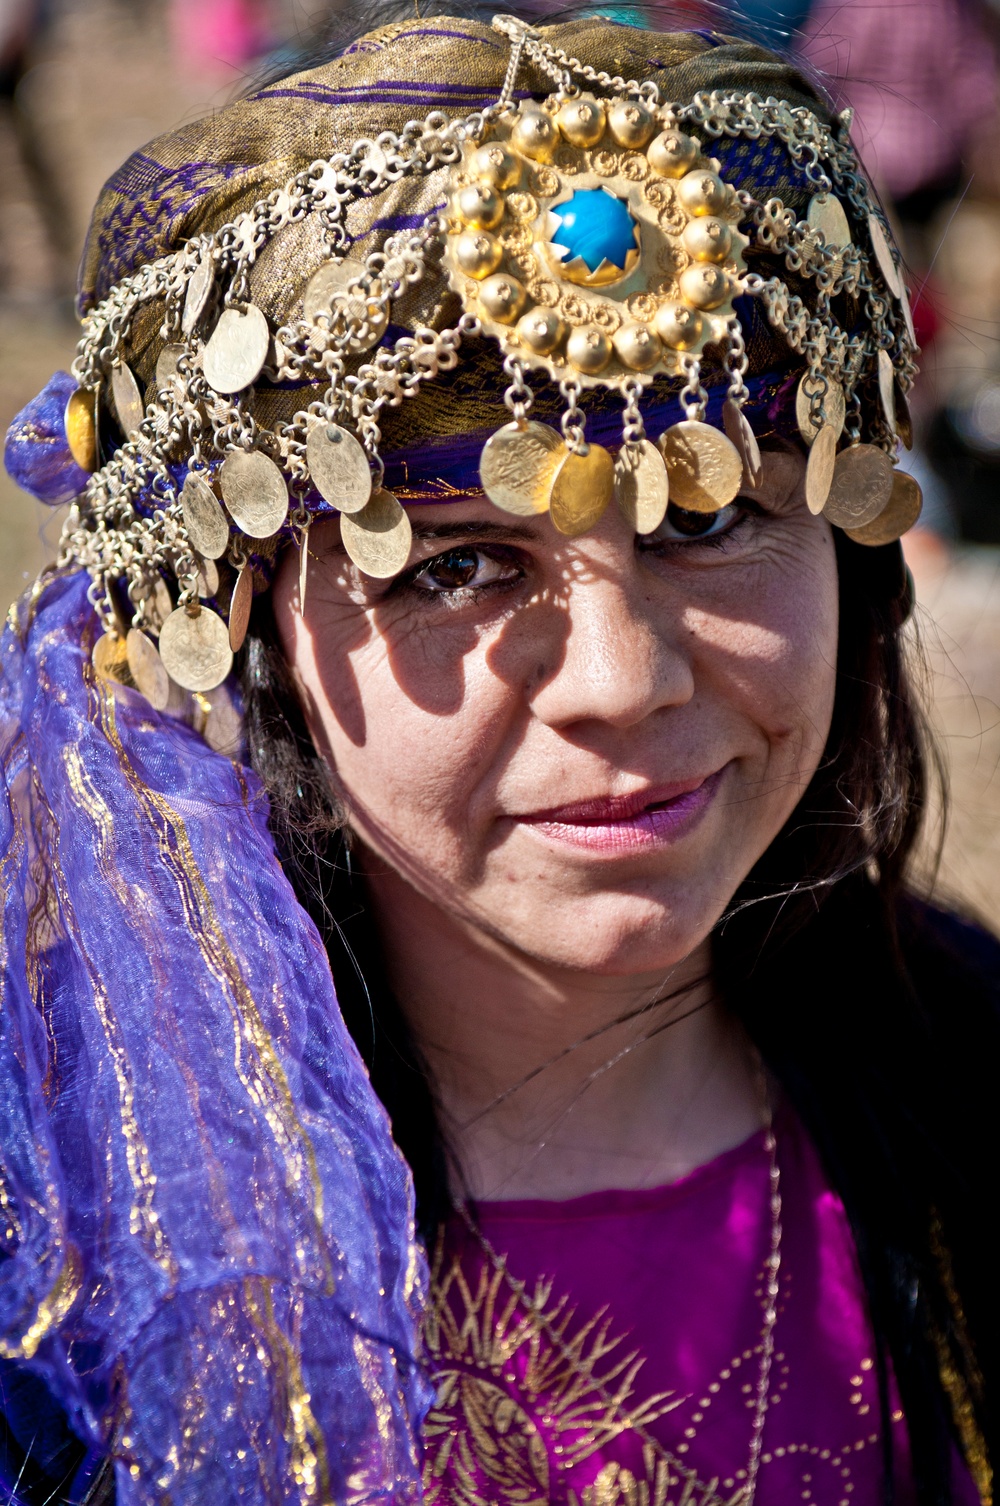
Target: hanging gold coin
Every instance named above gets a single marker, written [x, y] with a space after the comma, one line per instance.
[80, 422]
[198, 289]
[517, 466]
[582, 487]
[862, 483]
[195, 649]
[327, 294]
[206, 524]
[834, 407]
[237, 349]
[898, 515]
[110, 659]
[820, 468]
[886, 384]
[740, 434]
[826, 214]
[641, 485]
[339, 467]
[705, 468]
[127, 399]
[378, 537]
[254, 490]
[239, 609]
[884, 257]
[146, 669]
[331, 278]
[224, 728]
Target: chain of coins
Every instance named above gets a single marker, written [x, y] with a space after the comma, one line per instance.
[595, 239]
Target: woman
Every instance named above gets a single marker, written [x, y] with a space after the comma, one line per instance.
[551, 382]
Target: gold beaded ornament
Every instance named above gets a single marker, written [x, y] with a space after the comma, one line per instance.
[594, 237]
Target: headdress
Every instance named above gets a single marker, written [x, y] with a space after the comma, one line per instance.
[290, 309]
[622, 241]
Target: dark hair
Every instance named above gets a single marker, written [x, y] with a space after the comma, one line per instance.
[876, 1013]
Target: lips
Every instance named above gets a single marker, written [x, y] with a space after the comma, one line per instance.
[619, 823]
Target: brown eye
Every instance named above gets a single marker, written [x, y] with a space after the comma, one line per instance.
[463, 568]
[680, 523]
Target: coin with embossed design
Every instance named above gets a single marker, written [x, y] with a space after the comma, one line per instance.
[862, 483]
[195, 648]
[254, 490]
[827, 214]
[737, 427]
[834, 408]
[110, 659]
[705, 468]
[129, 406]
[339, 467]
[517, 466]
[236, 350]
[147, 669]
[198, 289]
[899, 514]
[582, 487]
[206, 524]
[820, 468]
[641, 485]
[378, 537]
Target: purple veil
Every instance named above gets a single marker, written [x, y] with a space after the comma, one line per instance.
[206, 1231]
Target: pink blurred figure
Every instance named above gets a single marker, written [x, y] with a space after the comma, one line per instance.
[214, 36]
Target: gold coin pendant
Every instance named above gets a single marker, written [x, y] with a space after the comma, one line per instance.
[517, 466]
[862, 483]
[254, 490]
[339, 467]
[110, 659]
[898, 515]
[884, 256]
[641, 485]
[195, 649]
[834, 408]
[820, 467]
[239, 608]
[827, 215]
[196, 296]
[705, 468]
[80, 422]
[582, 487]
[378, 537]
[886, 385]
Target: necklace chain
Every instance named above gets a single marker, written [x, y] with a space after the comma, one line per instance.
[772, 1266]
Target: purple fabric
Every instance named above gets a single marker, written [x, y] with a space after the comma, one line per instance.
[207, 1232]
[36, 452]
[676, 1274]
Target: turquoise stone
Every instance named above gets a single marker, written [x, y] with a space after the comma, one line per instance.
[595, 226]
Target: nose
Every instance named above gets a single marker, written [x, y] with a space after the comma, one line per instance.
[624, 654]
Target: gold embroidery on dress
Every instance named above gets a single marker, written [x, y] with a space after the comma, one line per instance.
[485, 1430]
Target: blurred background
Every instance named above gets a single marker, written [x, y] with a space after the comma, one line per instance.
[85, 82]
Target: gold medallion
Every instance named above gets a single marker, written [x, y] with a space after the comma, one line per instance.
[146, 668]
[80, 422]
[378, 537]
[834, 407]
[254, 490]
[862, 483]
[827, 215]
[110, 659]
[739, 432]
[582, 487]
[239, 608]
[206, 524]
[127, 399]
[820, 467]
[899, 514]
[339, 467]
[198, 289]
[327, 293]
[705, 468]
[517, 466]
[237, 349]
[641, 485]
[886, 386]
[884, 257]
[195, 649]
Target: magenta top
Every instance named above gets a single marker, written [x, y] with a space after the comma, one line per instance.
[630, 1357]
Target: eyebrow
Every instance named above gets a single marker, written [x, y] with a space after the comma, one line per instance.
[496, 532]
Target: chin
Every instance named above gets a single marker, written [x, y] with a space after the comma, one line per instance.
[615, 935]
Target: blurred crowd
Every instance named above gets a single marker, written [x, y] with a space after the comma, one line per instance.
[920, 75]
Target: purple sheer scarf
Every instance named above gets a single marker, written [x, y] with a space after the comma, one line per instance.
[208, 1233]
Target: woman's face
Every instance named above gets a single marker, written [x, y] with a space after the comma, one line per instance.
[578, 747]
